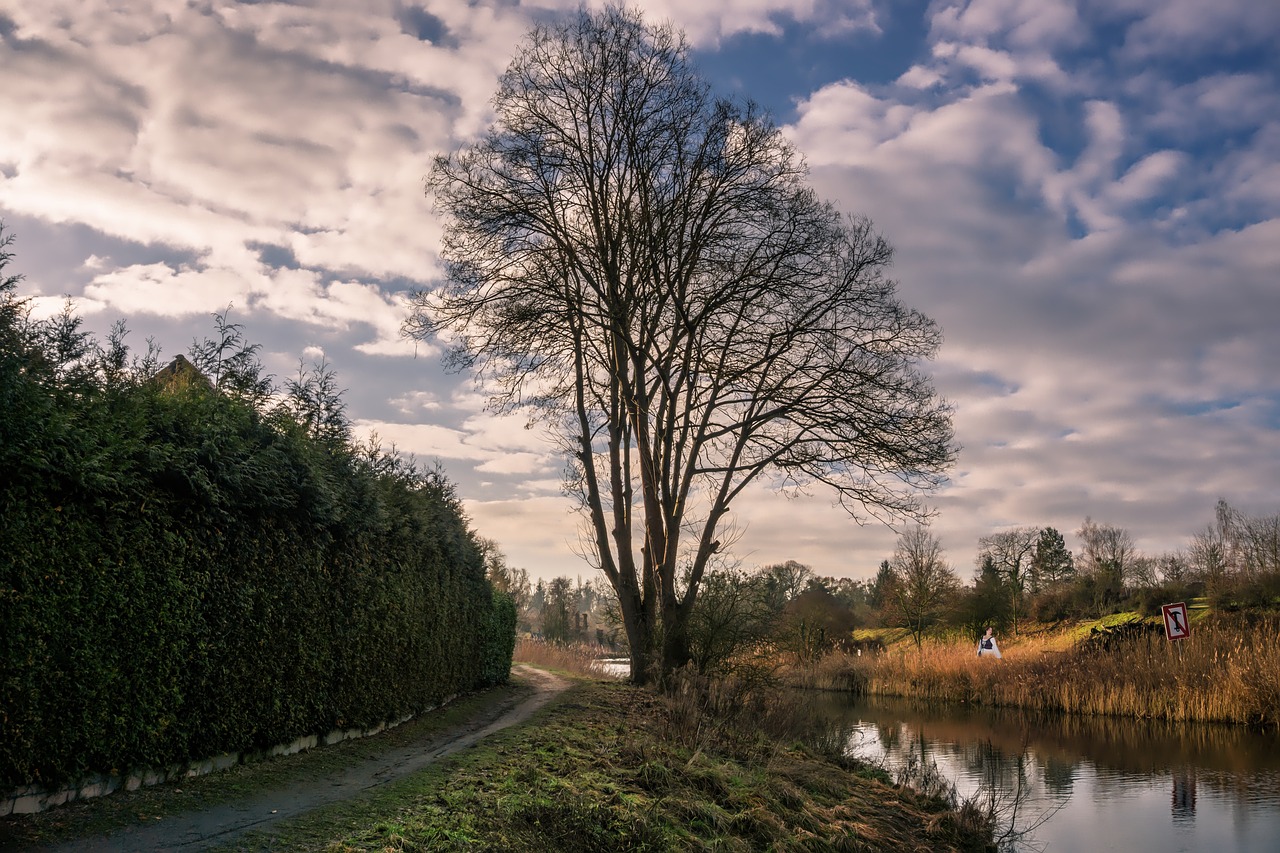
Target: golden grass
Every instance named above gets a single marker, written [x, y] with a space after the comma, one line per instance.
[576, 658]
[1228, 670]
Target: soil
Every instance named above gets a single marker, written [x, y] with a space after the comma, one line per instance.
[221, 825]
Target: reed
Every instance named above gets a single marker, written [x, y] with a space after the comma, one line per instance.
[576, 658]
[1228, 670]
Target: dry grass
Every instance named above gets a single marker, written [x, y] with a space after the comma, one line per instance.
[1228, 670]
[575, 658]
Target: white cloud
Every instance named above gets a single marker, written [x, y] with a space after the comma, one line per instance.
[1148, 176]
[706, 24]
[920, 77]
[416, 401]
[1095, 231]
[1023, 23]
[1182, 28]
[162, 289]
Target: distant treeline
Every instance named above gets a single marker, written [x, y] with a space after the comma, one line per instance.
[193, 562]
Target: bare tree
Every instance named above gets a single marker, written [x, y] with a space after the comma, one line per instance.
[783, 582]
[1251, 544]
[1108, 555]
[647, 269]
[1208, 555]
[923, 582]
[1011, 551]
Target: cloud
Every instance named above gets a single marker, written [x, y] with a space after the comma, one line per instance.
[162, 289]
[498, 445]
[1181, 28]
[706, 24]
[1021, 23]
[1086, 196]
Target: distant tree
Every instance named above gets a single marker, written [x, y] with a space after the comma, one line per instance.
[1207, 555]
[923, 582]
[988, 604]
[1253, 542]
[647, 268]
[813, 622]
[1051, 562]
[853, 593]
[784, 581]
[503, 576]
[1107, 556]
[880, 593]
[538, 601]
[1010, 552]
[559, 612]
[1173, 567]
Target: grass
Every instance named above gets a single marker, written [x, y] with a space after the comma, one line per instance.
[606, 766]
[106, 814]
[613, 767]
[571, 658]
[1228, 670]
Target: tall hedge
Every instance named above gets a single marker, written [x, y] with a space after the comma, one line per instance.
[183, 574]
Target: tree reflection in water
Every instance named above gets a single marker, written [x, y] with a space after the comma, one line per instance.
[1093, 783]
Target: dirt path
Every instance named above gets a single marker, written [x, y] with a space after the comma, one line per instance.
[221, 825]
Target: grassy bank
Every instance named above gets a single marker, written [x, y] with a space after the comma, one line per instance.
[1228, 670]
[611, 767]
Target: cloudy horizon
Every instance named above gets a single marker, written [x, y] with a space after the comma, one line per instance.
[1084, 195]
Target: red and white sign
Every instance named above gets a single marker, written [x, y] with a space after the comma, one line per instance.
[1176, 624]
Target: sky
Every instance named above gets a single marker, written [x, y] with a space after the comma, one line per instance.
[1085, 196]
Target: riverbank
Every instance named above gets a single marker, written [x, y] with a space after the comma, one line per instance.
[604, 766]
[1227, 671]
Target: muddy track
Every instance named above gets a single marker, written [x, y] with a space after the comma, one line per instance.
[221, 825]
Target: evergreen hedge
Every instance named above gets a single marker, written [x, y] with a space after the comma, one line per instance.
[184, 573]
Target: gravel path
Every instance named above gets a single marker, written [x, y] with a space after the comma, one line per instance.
[220, 825]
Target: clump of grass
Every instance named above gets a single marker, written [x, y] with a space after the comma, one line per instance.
[1228, 670]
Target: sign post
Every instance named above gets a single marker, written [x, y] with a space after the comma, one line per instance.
[1176, 624]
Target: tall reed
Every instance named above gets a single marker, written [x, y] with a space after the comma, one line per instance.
[578, 658]
[1228, 670]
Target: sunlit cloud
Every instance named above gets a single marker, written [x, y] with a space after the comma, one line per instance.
[1085, 196]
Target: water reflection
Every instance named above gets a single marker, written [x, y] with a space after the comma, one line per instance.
[1095, 783]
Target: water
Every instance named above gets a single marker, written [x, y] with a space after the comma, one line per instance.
[614, 667]
[1085, 785]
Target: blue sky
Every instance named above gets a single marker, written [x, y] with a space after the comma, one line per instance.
[1085, 196]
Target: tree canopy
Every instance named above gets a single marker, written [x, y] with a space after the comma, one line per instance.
[646, 267]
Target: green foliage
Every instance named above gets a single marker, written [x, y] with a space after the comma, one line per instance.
[559, 611]
[987, 605]
[186, 574]
[499, 641]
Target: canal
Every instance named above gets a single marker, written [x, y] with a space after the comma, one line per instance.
[1081, 784]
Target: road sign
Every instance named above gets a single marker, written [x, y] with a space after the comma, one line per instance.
[1176, 624]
